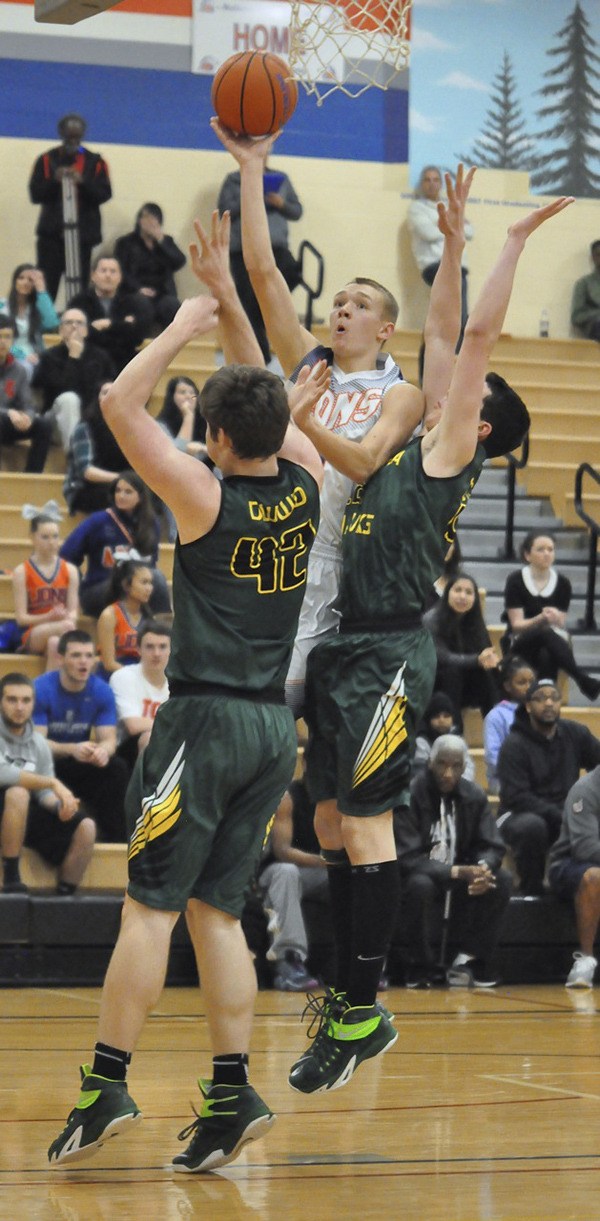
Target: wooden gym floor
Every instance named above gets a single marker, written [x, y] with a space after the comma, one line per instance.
[487, 1107]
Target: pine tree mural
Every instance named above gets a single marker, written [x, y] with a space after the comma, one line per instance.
[572, 132]
[503, 143]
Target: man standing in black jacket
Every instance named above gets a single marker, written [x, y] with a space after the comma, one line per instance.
[89, 172]
[539, 762]
[450, 854]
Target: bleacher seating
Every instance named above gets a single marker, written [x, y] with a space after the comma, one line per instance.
[39, 940]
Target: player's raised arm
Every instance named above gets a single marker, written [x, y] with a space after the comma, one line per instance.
[286, 336]
[452, 443]
[210, 263]
[186, 485]
[442, 325]
[303, 397]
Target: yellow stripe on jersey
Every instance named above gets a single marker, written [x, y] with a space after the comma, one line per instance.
[161, 809]
[385, 733]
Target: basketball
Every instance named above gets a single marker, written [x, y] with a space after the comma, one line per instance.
[252, 94]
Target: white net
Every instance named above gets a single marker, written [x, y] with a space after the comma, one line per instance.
[348, 45]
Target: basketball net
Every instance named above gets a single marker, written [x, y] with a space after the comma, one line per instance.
[348, 45]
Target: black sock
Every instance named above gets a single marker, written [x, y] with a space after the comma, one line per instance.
[66, 888]
[11, 870]
[230, 1070]
[376, 891]
[340, 891]
[110, 1062]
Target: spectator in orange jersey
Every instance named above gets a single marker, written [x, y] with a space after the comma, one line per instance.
[45, 590]
[120, 621]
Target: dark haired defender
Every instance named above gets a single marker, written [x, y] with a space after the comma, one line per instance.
[367, 689]
[223, 748]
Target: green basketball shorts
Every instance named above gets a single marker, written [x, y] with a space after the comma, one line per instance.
[366, 693]
[201, 798]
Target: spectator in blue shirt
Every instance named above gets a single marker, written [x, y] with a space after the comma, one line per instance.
[70, 703]
[516, 676]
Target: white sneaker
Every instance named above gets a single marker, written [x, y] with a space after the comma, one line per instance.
[582, 972]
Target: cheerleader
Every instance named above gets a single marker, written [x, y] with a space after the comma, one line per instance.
[45, 590]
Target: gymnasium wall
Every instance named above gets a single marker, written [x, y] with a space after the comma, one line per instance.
[347, 159]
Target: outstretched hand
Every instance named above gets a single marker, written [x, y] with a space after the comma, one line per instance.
[197, 315]
[244, 148]
[210, 255]
[305, 394]
[526, 225]
[451, 215]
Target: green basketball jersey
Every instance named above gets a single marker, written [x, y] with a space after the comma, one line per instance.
[396, 531]
[237, 591]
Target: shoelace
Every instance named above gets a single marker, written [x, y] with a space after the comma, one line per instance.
[323, 1010]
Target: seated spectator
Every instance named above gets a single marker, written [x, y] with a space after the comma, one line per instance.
[574, 871]
[539, 760]
[450, 856]
[37, 809]
[465, 657]
[93, 459]
[182, 420]
[18, 418]
[120, 621]
[32, 311]
[71, 704]
[536, 600]
[438, 719]
[117, 320]
[585, 305]
[452, 568]
[46, 592]
[516, 677]
[139, 690]
[292, 870]
[69, 374]
[127, 528]
[149, 258]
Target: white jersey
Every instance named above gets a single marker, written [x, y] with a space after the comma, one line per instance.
[351, 406]
[135, 696]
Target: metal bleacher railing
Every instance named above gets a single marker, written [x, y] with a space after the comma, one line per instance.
[588, 623]
[514, 464]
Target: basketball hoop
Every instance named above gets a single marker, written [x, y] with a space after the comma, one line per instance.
[348, 45]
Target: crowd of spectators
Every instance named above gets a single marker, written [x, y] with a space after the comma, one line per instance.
[68, 741]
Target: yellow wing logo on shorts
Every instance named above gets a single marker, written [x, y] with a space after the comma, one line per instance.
[161, 809]
[385, 733]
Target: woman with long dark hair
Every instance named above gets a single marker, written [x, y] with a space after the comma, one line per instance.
[93, 459]
[181, 419]
[466, 660]
[536, 601]
[120, 621]
[32, 311]
[127, 528]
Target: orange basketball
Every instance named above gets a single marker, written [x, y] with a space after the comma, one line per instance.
[252, 93]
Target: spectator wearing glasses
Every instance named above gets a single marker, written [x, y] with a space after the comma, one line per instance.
[69, 374]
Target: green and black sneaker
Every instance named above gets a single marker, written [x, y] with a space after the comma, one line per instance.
[103, 1109]
[346, 1036]
[230, 1116]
